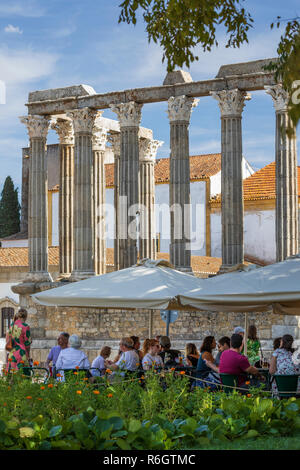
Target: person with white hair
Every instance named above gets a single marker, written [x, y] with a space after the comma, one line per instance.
[72, 357]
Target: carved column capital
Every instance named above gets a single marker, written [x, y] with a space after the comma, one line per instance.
[83, 119]
[148, 149]
[180, 108]
[37, 126]
[64, 129]
[280, 97]
[231, 102]
[129, 114]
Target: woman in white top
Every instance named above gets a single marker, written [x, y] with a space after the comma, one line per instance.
[72, 357]
[129, 359]
[98, 364]
[152, 359]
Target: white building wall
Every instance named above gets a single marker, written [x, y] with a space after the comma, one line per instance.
[55, 218]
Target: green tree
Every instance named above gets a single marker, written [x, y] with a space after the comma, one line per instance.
[180, 25]
[9, 209]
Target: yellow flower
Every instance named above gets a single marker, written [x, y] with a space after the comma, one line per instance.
[26, 432]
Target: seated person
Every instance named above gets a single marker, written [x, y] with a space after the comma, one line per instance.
[99, 362]
[223, 345]
[72, 357]
[137, 345]
[129, 359]
[170, 357]
[204, 371]
[282, 362]
[233, 362]
[152, 359]
[62, 343]
[191, 354]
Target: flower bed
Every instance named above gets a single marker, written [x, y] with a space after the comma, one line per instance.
[138, 413]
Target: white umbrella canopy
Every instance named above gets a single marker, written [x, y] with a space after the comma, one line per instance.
[149, 284]
[275, 286]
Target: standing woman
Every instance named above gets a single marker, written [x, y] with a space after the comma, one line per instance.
[253, 346]
[21, 341]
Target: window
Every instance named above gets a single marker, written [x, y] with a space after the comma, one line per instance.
[7, 315]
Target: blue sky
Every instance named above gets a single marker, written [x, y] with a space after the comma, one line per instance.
[57, 43]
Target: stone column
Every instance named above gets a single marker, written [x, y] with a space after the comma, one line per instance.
[83, 210]
[286, 177]
[99, 144]
[64, 129]
[129, 115]
[115, 141]
[231, 103]
[179, 111]
[37, 127]
[147, 239]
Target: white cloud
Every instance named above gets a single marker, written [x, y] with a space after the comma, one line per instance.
[29, 9]
[13, 29]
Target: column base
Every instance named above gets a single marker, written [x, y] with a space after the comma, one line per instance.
[42, 276]
[63, 277]
[228, 268]
[81, 275]
[187, 270]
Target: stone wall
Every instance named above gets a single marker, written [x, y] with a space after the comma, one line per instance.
[99, 327]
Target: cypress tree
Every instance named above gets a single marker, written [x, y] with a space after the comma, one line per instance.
[9, 209]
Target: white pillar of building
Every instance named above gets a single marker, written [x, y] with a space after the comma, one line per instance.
[129, 115]
[115, 140]
[64, 129]
[37, 127]
[287, 243]
[147, 232]
[231, 103]
[99, 145]
[179, 112]
[83, 215]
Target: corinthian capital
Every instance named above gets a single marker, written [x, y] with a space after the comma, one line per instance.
[231, 102]
[180, 108]
[129, 114]
[37, 126]
[64, 129]
[280, 97]
[83, 119]
[115, 141]
[148, 149]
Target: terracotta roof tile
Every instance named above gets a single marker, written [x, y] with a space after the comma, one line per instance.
[260, 185]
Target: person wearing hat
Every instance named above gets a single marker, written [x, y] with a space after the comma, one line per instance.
[169, 356]
[72, 357]
[239, 331]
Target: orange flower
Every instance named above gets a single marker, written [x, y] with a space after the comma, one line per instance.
[4, 404]
[79, 392]
[96, 392]
[36, 363]
[110, 395]
[85, 379]
[42, 387]
[248, 395]
[29, 398]
[40, 399]
[182, 372]
[172, 368]
[247, 383]
[22, 362]
[10, 359]
[58, 375]
[50, 385]
[8, 388]
[108, 371]
[75, 373]
[142, 377]
[77, 367]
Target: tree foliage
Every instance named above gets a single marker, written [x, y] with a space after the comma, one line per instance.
[9, 209]
[180, 25]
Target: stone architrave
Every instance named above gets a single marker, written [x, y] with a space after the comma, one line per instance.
[83, 206]
[99, 145]
[286, 177]
[179, 112]
[147, 233]
[115, 140]
[129, 115]
[64, 129]
[231, 104]
[37, 127]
